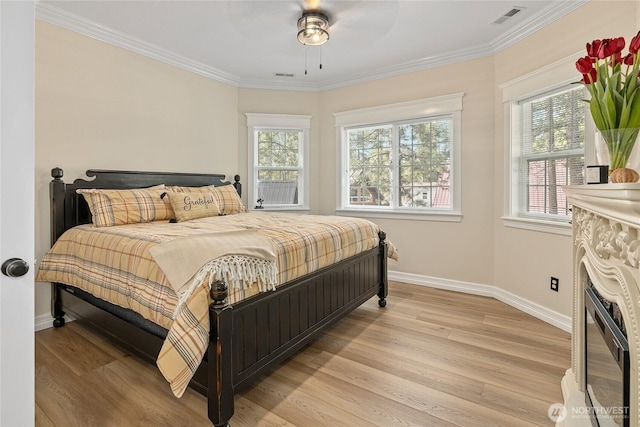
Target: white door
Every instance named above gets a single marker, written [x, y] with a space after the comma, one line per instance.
[17, 399]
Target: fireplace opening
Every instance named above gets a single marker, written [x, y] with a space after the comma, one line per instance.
[607, 362]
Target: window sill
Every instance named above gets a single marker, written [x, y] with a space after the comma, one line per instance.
[539, 225]
[407, 215]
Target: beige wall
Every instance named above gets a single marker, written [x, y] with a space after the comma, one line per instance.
[103, 107]
[525, 260]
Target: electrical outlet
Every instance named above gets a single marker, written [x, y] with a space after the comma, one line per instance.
[554, 283]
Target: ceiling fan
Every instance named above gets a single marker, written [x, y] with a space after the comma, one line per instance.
[313, 28]
[313, 25]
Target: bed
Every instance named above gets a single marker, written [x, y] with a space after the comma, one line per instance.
[247, 337]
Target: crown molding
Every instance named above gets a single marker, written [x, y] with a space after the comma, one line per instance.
[53, 15]
[467, 54]
[550, 14]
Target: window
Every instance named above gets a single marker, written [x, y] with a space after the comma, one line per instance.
[401, 159]
[546, 135]
[551, 152]
[277, 160]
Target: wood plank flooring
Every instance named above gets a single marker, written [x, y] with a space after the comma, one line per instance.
[430, 358]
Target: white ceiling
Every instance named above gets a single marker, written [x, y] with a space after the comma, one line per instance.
[244, 43]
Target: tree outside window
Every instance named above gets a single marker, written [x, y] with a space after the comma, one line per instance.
[416, 155]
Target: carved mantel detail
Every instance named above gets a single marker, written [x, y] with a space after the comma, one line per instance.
[608, 238]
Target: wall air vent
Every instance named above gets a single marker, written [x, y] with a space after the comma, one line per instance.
[511, 13]
[283, 74]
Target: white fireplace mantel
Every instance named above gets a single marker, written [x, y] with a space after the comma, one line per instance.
[606, 248]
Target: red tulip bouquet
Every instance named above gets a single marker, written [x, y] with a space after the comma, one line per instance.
[612, 81]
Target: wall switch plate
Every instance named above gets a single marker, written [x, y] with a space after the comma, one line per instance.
[554, 284]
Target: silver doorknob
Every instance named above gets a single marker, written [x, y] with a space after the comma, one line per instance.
[15, 267]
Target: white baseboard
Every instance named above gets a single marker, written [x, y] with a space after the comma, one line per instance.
[45, 321]
[552, 317]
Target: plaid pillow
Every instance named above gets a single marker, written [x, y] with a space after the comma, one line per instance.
[227, 198]
[118, 207]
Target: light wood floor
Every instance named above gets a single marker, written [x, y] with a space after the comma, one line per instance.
[430, 358]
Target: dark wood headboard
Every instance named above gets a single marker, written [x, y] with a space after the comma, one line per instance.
[69, 209]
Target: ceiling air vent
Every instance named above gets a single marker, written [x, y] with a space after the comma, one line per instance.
[514, 10]
[283, 74]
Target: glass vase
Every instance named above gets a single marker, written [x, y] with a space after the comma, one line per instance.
[603, 155]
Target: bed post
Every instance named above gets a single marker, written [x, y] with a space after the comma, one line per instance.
[220, 373]
[237, 185]
[384, 285]
[56, 197]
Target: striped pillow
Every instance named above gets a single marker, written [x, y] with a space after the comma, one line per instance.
[118, 207]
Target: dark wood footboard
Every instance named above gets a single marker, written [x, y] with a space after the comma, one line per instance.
[276, 326]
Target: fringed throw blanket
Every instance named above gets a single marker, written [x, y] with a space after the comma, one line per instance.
[239, 258]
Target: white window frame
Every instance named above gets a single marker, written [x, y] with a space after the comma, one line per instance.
[388, 114]
[553, 77]
[257, 122]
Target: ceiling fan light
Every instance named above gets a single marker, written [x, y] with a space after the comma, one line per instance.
[313, 28]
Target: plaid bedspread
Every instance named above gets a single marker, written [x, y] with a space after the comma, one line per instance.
[114, 264]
